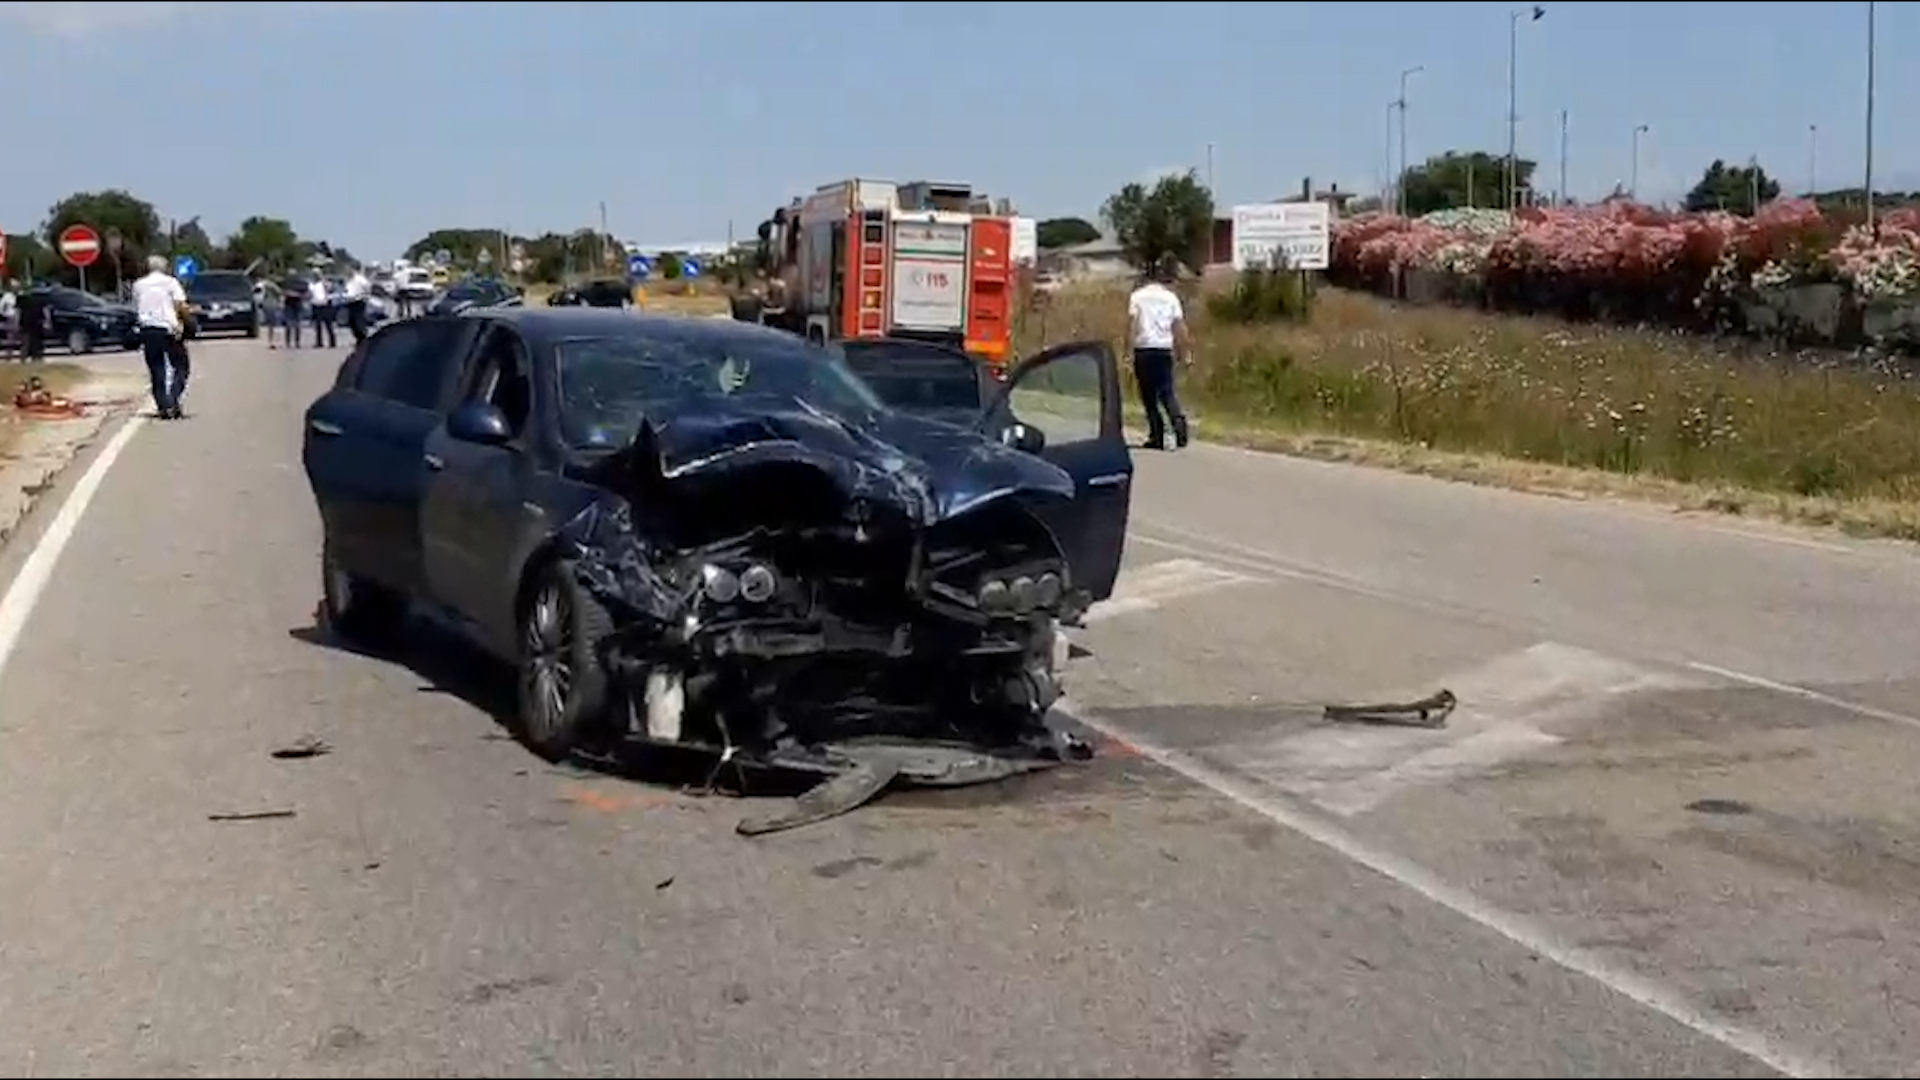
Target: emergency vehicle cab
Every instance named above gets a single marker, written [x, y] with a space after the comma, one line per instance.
[872, 258]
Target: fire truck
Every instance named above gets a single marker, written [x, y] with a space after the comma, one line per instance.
[873, 258]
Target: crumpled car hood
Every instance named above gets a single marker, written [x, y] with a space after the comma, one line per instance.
[931, 471]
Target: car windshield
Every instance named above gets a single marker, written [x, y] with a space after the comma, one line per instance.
[607, 384]
[915, 378]
[66, 297]
[469, 291]
[220, 287]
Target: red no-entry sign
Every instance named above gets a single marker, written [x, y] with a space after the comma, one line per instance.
[79, 245]
[3, 251]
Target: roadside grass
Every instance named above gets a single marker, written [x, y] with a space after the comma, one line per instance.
[1545, 406]
[59, 379]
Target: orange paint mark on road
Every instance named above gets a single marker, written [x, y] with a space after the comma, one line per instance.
[612, 802]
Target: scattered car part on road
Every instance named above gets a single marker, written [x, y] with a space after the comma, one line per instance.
[251, 815]
[1428, 712]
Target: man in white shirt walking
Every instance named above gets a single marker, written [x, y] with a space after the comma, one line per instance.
[320, 302]
[1159, 325]
[358, 289]
[162, 304]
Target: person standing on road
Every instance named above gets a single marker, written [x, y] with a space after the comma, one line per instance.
[9, 320]
[358, 289]
[162, 305]
[320, 300]
[293, 310]
[1159, 338]
[30, 310]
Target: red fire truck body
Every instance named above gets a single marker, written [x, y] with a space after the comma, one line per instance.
[872, 258]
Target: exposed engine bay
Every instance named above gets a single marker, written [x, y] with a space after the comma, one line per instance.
[846, 614]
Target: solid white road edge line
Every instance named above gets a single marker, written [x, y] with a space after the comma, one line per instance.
[23, 595]
[1418, 879]
[1763, 683]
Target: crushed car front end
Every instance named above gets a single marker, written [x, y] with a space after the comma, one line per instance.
[808, 596]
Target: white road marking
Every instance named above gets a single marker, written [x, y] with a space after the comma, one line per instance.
[23, 595]
[1429, 886]
[1807, 694]
[1155, 584]
[1505, 712]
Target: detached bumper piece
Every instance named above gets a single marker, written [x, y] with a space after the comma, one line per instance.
[865, 769]
[1431, 711]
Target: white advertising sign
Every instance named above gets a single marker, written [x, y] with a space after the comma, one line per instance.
[1026, 240]
[1296, 232]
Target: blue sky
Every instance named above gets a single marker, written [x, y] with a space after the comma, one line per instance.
[369, 124]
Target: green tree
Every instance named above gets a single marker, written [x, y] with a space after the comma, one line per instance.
[28, 257]
[268, 242]
[1174, 217]
[113, 211]
[667, 266]
[1737, 189]
[1458, 179]
[1065, 232]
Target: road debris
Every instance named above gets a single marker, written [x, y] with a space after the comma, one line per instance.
[35, 399]
[307, 746]
[251, 815]
[1428, 712]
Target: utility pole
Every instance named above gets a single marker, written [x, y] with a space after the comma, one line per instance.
[1513, 100]
[1873, 222]
[603, 237]
[1813, 159]
[1633, 177]
[1389, 195]
[1209, 168]
[1400, 186]
[1563, 157]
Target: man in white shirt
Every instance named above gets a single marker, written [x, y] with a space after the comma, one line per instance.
[358, 289]
[162, 304]
[1159, 336]
[9, 319]
[320, 302]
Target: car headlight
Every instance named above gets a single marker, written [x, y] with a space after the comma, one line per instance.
[1020, 595]
[755, 584]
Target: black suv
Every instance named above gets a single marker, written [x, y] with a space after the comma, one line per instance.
[84, 322]
[222, 302]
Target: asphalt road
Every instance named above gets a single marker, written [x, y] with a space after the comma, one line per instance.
[1235, 888]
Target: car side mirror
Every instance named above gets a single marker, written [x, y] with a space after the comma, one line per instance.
[479, 422]
[1023, 437]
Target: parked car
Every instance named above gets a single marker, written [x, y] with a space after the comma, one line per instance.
[607, 293]
[474, 292]
[702, 533]
[84, 322]
[935, 381]
[222, 302]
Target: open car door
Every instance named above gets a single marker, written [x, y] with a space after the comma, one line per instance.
[1064, 405]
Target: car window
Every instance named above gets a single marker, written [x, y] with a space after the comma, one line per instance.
[412, 362]
[220, 287]
[911, 376]
[607, 384]
[502, 378]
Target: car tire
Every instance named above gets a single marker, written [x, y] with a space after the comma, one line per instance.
[356, 610]
[253, 329]
[79, 342]
[562, 688]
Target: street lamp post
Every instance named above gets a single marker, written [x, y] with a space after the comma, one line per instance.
[1400, 183]
[1873, 223]
[1513, 98]
[1633, 174]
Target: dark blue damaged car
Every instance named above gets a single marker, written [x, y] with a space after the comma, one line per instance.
[708, 533]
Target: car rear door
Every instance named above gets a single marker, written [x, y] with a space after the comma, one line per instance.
[1071, 396]
[366, 446]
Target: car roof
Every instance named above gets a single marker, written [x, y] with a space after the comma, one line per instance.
[545, 325]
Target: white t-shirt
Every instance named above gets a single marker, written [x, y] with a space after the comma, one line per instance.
[1153, 309]
[317, 293]
[358, 287]
[158, 296]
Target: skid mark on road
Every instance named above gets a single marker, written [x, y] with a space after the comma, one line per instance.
[1512, 706]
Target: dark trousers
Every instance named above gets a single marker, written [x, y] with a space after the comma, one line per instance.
[33, 339]
[325, 334]
[167, 366]
[1153, 372]
[357, 320]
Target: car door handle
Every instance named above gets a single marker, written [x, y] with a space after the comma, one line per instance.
[1109, 480]
[324, 427]
[434, 461]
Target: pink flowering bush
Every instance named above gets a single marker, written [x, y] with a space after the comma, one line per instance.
[1620, 260]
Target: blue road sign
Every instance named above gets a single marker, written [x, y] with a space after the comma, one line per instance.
[639, 267]
[185, 266]
[689, 268]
